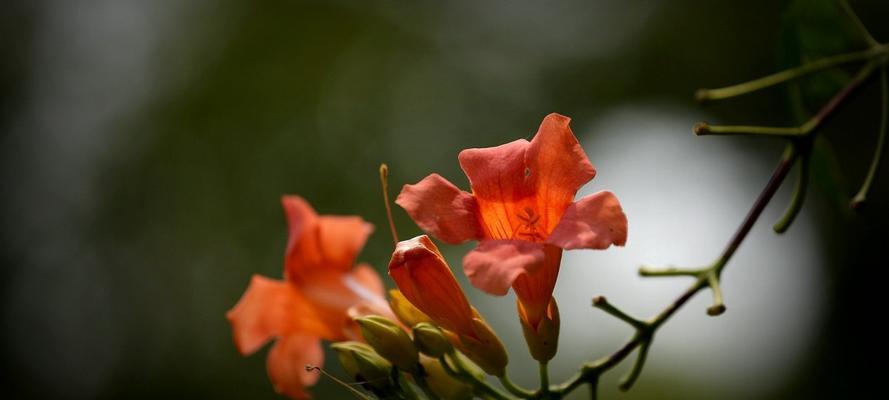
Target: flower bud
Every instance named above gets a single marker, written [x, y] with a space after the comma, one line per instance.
[543, 339]
[442, 384]
[389, 341]
[431, 341]
[485, 348]
[360, 361]
[404, 310]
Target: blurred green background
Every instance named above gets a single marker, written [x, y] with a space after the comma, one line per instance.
[146, 144]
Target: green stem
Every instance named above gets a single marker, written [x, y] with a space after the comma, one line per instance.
[515, 389]
[602, 303]
[628, 381]
[591, 371]
[480, 384]
[544, 379]
[858, 24]
[799, 194]
[703, 129]
[407, 390]
[594, 388]
[718, 306]
[861, 196]
[669, 271]
[420, 378]
[793, 73]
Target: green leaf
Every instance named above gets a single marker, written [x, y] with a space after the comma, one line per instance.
[815, 29]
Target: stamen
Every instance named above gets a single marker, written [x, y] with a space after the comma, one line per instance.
[384, 181]
[356, 392]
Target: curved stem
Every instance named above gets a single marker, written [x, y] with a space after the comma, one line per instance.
[516, 390]
[339, 381]
[793, 73]
[799, 195]
[861, 196]
[628, 381]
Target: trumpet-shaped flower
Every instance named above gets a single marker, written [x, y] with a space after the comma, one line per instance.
[522, 212]
[322, 290]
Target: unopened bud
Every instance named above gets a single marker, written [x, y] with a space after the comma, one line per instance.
[543, 339]
[389, 341]
[485, 349]
[431, 341]
[404, 310]
[442, 384]
[365, 365]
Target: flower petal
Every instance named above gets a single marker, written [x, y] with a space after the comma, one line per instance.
[535, 289]
[369, 278]
[557, 167]
[426, 280]
[341, 239]
[271, 308]
[286, 364]
[441, 209]
[333, 293]
[495, 264]
[497, 177]
[321, 242]
[593, 222]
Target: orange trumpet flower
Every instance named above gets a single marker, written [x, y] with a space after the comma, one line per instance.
[522, 212]
[322, 289]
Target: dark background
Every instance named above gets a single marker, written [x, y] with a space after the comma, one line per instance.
[145, 145]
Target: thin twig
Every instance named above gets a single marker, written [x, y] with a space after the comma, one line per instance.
[861, 196]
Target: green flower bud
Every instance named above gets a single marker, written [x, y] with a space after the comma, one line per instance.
[431, 341]
[389, 341]
[442, 384]
[365, 365]
[404, 310]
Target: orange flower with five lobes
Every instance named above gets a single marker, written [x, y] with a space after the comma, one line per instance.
[522, 212]
[321, 292]
[426, 281]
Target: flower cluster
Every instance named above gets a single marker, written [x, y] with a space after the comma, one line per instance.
[522, 212]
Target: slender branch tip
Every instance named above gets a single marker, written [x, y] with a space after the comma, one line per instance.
[599, 301]
[702, 95]
[715, 310]
[701, 129]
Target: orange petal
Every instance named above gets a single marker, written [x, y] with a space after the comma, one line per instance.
[593, 222]
[321, 242]
[425, 279]
[495, 264]
[333, 293]
[286, 364]
[497, 177]
[557, 167]
[369, 278]
[441, 209]
[341, 239]
[535, 289]
[271, 308]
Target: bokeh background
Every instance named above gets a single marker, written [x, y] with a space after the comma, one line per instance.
[146, 144]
